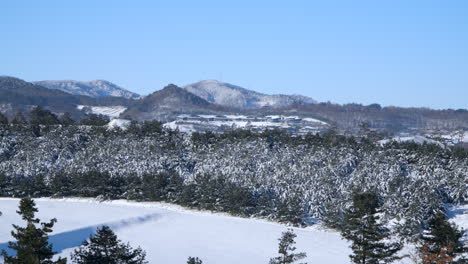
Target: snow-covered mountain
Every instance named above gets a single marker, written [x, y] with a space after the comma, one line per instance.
[97, 88]
[234, 96]
[171, 99]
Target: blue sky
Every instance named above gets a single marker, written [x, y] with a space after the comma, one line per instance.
[405, 53]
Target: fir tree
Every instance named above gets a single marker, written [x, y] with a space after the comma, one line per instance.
[286, 249]
[367, 234]
[105, 248]
[441, 241]
[192, 260]
[31, 245]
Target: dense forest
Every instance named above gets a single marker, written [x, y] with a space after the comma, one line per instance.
[270, 174]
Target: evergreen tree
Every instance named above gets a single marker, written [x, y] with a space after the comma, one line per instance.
[41, 116]
[3, 119]
[95, 120]
[105, 248]
[31, 245]
[19, 119]
[441, 241]
[286, 249]
[367, 234]
[192, 260]
[66, 119]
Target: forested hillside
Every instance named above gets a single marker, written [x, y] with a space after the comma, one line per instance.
[269, 174]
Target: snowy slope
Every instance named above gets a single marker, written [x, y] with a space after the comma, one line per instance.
[110, 111]
[170, 234]
[234, 96]
[97, 88]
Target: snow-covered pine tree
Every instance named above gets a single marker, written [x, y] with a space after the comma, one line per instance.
[31, 245]
[367, 234]
[286, 249]
[105, 248]
[442, 242]
[194, 260]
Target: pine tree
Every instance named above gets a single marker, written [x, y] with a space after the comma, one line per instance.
[286, 249]
[192, 260]
[441, 242]
[367, 234]
[105, 248]
[31, 246]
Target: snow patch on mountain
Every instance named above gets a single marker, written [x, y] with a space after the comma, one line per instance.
[110, 111]
[235, 96]
[97, 88]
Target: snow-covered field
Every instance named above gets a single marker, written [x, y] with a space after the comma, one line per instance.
[192, 123]
[170, 234]
[110, 111]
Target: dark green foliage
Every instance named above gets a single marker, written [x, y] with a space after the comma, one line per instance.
[6, 186]
[440, 234]
[105, 248]
[192, 260]
[291, 210]
[66, 119]
[39, 187]
[94, 120]
[3, 120]
[146, 128]
[41, 116]
[61, 184]
[367, 233]
[31, 245]
[19, 119]
[286, 249]
[160, 186]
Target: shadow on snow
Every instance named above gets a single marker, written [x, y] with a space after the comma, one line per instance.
[74, 238]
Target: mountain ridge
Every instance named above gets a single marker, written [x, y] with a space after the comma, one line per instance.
[239, 97]
[95, 88]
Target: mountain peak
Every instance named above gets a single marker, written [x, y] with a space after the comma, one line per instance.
[168, 101]
[227, 94]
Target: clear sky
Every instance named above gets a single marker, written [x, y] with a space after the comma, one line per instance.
[405, 53]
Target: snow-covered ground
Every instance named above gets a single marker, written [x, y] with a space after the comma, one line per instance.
[191, 123]
[170, 234]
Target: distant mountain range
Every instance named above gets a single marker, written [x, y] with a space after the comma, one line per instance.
[213, 91]
[96, 89]
[235, 96]
[17, 95]
[217, 98]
